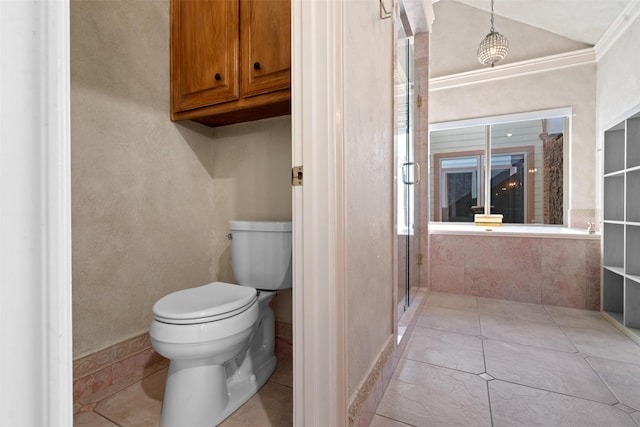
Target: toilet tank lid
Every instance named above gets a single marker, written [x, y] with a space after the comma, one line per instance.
[260, 226]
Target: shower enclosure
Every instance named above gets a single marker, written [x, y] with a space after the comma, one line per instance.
[407, 169]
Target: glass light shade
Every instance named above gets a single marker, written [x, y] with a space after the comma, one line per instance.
[493, 48]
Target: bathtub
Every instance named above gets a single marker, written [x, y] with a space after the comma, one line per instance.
[527, 263]
[542, 231]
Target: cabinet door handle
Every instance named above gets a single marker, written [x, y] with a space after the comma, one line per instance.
[256, 65]
[218, 76]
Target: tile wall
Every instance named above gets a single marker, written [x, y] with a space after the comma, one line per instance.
[554, 271]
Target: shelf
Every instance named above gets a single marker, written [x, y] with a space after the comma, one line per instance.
[634, 278]
[612, 292]
[621, 227]
[632, 304]
[614, 150]
[618, 173]
[613, 242]
[617, 270]
[613, 192]
[633, 142]
[633, 251]
[632, 196]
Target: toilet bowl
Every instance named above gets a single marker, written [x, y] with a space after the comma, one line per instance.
[220, 337]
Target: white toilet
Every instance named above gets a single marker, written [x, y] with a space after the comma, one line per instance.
[220, 337]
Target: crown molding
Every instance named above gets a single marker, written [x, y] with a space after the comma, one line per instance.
[516, 69]
[627, 17]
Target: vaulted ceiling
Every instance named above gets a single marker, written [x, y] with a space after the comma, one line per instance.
[534, 28]
[580, 20]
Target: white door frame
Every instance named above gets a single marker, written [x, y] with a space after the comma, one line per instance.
[320, 393]
[35, 215]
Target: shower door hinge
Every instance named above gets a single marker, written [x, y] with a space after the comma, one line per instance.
[419, 101]
[296, 176]
[419, 259]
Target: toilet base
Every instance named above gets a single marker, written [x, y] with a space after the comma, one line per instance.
[242, 390]
[202, 393]
[181, 408]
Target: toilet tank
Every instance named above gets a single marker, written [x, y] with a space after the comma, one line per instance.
[261, 254]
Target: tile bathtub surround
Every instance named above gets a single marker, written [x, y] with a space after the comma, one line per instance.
[554, 271]
[516, 370]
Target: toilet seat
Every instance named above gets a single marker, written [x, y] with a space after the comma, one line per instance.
[208, 303]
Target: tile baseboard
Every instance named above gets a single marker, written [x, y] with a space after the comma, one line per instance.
[368, 396]
[110, 370]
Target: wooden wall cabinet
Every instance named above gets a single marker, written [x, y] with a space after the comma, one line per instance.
[230, 60]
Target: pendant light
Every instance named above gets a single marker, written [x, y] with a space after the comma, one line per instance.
[494, 47]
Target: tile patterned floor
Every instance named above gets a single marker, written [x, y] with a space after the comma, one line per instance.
[484, 362]
[469, 362]
[139, 405]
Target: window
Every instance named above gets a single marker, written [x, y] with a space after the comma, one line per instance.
[525, 178]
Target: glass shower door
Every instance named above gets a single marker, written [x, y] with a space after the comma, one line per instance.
[407, 170]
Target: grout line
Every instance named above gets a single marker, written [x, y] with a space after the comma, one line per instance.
[531, 346]
[557, 392]
[393, 419]
[484, 358]
[603, 381]
[106, 418]
[490, 408]
[443, 367]
[446, 330]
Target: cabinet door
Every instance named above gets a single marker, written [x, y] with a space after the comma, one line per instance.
[204, 52]
[265, 44]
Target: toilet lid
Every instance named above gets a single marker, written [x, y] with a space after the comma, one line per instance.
[206, 303]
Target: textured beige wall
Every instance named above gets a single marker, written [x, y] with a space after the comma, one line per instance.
[369, 171]
[151, 198]
[618, 90]
[618, 78]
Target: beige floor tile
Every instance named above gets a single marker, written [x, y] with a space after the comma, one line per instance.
[514, 405]
[283, 374]
[573, 317]
[424, 395]
[525, 331]
[272, 406]
[622, 378]
[379, 421]
[454, 301]
[514, 310]
[551, 370]
[446, 349]
[91, 419]
[138, 405]
[605, 343]
[447, 319]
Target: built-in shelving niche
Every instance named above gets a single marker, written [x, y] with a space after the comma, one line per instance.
[621, 228]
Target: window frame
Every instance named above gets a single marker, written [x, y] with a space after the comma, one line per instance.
[565, 112]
